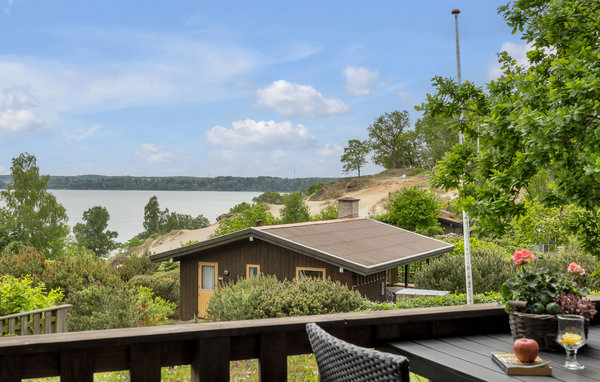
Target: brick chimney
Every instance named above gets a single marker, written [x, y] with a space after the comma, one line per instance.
[347, 208]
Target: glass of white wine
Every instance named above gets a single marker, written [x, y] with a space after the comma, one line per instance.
[571, 335]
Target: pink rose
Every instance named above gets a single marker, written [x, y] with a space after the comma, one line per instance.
[575, 268]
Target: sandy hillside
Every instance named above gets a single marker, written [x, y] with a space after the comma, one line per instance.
[373, 192]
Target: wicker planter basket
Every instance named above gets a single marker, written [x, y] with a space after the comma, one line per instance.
[540, 327]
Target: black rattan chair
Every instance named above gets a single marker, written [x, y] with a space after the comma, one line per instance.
[340, 361]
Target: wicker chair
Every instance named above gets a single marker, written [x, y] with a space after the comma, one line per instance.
[340, 361]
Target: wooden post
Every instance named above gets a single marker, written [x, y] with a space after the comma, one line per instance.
[24, 322]
[211, 359]
[10, 369]
[48, 322]
[61, 320]
[144, 363]
[406, 276]
[76, 366]
[37, 323]
[272, 358]
[11, 325]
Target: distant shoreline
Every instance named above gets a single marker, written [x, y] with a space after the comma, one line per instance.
[177, 183]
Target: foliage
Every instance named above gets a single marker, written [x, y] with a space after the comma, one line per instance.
[17, 296]
[135, 265]
[489, 270]
[537, 117]
[558, 262]
[246, 218]
[152, 310]
[266, 297]
[328, 213]
[100, 306]
[541, 225]
[436, 136]
[270, 197]
[414, 209]
[20, 261]
[355, 155]
[573, 304]
[240, 207]
[393, 147]
[314, 188]
[586, 224]
[427, 302]
[94, 234]
[294, 209]
[163, 284]
[31, 214]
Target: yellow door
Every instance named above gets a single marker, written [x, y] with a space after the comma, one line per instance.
[207, 283]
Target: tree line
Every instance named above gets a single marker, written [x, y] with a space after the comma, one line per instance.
[176, 183]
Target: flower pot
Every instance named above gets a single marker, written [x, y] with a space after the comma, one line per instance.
[540, 327]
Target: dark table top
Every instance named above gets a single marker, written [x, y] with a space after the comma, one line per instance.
[468, 358]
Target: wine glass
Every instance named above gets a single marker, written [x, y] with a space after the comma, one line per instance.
[571, 335]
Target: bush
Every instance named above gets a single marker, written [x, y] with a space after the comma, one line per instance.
[266, 297]
[101, 306]
[427, 302]
[414, 209]
[19, 261]
[558, 263]
[163, 284]
[17, 296]
[151, 310]
[490, 268]
[135, 265]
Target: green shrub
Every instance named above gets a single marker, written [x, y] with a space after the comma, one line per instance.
[151, 310]
[490, 268]
[135, 265]
[427, 302]
[17, 296]
[558, 263]
[164, 284]
[101, 306]
[19, 261]
[266, 297]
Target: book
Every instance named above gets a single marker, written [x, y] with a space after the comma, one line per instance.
[512, 366]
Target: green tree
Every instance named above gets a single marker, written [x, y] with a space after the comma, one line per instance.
[539, 116]
[355, 155]
[393, 146]
[93, 234]
[154, 218]
[328, 213]
[31, 214]
[244, 219]
[414, 209]
[436, 137]
[294, 209]
[270, 197]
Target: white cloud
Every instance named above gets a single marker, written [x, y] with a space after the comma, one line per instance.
[15, 113]
[154, 154]
[360, 81]
[331, 150]
[255, 134]
[294, 100]
[516, 51]
[79, 135]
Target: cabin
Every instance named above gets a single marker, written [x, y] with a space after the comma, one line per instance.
[362, 253]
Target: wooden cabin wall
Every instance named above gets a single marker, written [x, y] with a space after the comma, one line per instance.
[370, 286]
[188, 291]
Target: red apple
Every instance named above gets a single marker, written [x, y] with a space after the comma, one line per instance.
[526, 349]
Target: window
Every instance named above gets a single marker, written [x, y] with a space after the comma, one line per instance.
[303, 272]
[252, 270]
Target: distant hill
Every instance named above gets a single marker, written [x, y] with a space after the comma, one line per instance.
[177, 183]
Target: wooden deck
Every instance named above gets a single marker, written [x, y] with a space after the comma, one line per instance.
[209, 347]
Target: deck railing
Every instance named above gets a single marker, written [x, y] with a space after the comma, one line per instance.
[48, 320]
[209, 347]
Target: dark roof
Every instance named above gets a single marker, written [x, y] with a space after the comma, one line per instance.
[361, 245]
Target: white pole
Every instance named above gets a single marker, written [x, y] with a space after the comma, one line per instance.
[466, 226]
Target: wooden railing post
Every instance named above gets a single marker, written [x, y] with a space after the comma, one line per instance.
[211, 359]
[76, 366]
[61, 320]
[48, 322]
[144, 363]
[272, 357]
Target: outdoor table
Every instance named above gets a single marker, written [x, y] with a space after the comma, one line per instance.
[468, 358]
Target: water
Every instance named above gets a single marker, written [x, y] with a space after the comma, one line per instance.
[126, 208]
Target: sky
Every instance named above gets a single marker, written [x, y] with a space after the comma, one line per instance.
[224, 88]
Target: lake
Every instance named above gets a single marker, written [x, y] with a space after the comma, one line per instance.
[126, 208]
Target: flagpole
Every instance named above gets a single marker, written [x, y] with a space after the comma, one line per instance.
[466, 226]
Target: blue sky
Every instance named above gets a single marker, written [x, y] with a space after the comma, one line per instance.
[236, 88]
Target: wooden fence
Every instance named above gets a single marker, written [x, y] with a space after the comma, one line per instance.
[48, 320]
